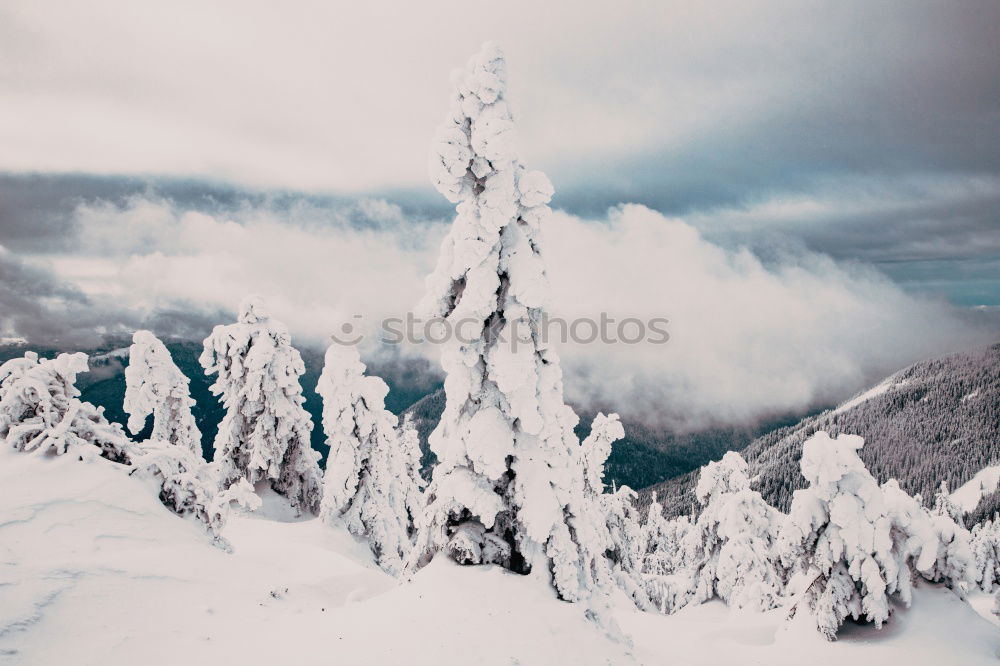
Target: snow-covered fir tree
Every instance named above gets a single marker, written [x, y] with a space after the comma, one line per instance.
[730, 550]
[191, 488]
[627, 544]
[986, 554]
[605, 430]
[853, 543]
[663, 558]
[507, 482]
[609, 529]
[372, 484]
[954, 564]
[915, 541]
[264, 435]
[155, 385]
[625, 529]
[662, 538]
[945, 506]
[409, 441]
[40, 409]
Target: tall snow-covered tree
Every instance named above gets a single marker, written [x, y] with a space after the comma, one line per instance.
[730, 550]
[40, 409]
[155, 385]
[264, 435]
[372, 485]
[507, 482]
[854, 543]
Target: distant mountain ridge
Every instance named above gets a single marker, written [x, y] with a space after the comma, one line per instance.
[938, 420]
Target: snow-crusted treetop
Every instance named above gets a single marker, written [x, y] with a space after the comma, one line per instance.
[825, 461]
[604, 431]
[155, 385]
[474, 164]
[728, 475]
[16, 367]
[253, 310]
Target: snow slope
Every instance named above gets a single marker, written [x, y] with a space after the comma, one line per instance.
[931, 422]
[982, 484]
[879, 389]
[93, 570]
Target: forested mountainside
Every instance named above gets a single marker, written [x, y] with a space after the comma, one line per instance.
[934, 421]
[645, 456]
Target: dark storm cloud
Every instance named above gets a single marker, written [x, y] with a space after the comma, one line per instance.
[37, 306]
[37, 210]
[875, 90]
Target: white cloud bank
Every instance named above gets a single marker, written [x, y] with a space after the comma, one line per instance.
[747, 339]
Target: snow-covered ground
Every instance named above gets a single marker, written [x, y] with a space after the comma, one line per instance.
[983, 483]
[93, 570]
[875, 391]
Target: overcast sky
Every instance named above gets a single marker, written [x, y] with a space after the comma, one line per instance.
[803, 144]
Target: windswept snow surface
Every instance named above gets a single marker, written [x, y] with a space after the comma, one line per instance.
[873, 392]
[93, 570]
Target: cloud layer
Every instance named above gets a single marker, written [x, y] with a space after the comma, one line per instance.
[749, 338]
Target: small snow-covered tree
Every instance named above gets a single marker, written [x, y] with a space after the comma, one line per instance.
[853, 543]
[730, 549]
[954, 563]
[663, 558]
[507, 482]
[191, 488]
[986, 554]
[915, 541]
[663, 537]
[625, 528]
[372, 485]
[608, 528]
[945, 506]
[595, 450]
[40, 409]
[264, 435]
[409, 442]
[627, 544]
[155, 385]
